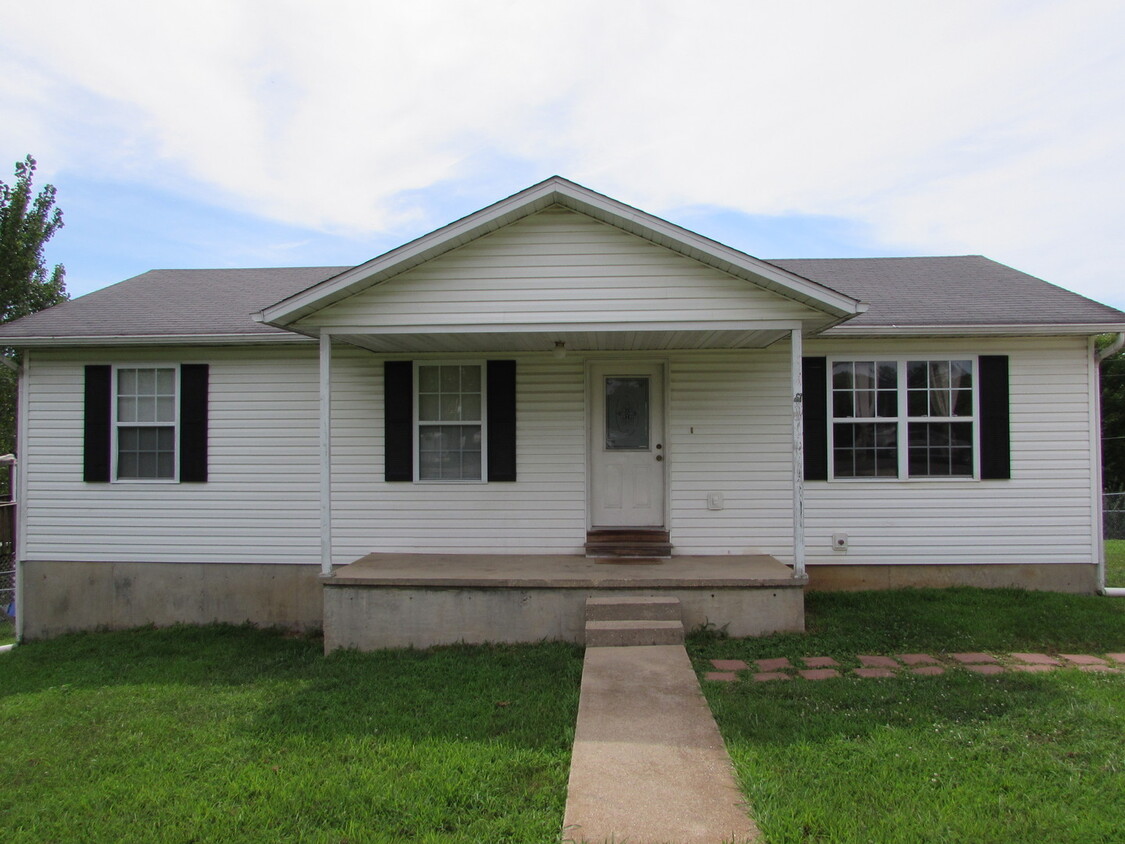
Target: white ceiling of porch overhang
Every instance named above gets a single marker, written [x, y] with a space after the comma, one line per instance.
[575, 341]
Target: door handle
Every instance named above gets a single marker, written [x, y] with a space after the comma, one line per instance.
[659, 457]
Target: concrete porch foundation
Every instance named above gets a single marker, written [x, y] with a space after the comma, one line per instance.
[421, 600]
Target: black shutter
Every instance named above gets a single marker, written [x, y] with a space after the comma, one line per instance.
[398, 420]
[501, 420]
[995, 436]
[96, 423]
[814, 375]
[193, 422]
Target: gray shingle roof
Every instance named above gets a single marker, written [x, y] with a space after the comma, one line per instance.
[171, 303]
[952, 291]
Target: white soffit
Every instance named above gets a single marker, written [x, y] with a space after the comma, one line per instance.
[576, 342]
[559, 191]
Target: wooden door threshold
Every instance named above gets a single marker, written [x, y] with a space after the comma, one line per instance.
[628, 542]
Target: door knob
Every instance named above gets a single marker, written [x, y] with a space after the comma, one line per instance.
[659, 457]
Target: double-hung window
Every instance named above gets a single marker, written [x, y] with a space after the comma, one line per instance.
[904, 418]
[450, 421]
[145, 423]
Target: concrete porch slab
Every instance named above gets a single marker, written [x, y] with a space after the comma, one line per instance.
[564, 571]
[422, 600]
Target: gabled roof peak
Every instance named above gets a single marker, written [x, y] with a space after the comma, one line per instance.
[557, 190]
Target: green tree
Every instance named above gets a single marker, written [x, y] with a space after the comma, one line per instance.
[1113, 423]
[27, 222]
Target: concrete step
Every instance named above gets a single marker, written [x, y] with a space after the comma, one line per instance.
[619, 633]
[633, 608]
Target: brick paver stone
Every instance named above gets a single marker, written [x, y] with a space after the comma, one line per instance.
[1033, 669]
[878, 661]
[1104, 668]
[819, 662]
[873, 672]
[774, 664]
[916, 659]
[1117, 657]
[928, 670]
[766, 676]
[970, 658]
[1036, 659]
[986, 669]
[721, 676]
[819, 673]
[1083, 659]
[729, 664]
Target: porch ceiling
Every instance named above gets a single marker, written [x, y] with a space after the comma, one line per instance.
[576, 341]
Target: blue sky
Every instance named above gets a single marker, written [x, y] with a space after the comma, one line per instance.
[213, 134]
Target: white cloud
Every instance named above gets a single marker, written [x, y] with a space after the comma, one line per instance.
[960, 126]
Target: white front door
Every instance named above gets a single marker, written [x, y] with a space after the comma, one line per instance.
[627, 445]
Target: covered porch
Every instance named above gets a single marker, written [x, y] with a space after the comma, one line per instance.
[421, 600]
[545, 373]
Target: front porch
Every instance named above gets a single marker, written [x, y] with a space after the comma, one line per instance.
[421, 600]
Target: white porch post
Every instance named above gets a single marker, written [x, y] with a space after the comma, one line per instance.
[325, 453]
[798, 453]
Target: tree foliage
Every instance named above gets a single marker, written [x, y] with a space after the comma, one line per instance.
[1113, 423]
[27, 222]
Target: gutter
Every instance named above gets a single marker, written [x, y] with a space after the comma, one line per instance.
[1108, 352]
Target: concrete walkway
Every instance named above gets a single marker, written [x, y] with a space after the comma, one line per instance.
[649, 765]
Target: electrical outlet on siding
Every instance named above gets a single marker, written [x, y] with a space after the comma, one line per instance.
[840, 542]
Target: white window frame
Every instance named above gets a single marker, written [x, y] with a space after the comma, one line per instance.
[902, 420]
[116, 425]
[417, 424]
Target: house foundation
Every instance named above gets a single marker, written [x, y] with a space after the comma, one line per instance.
[68, 597]
[1048, 577]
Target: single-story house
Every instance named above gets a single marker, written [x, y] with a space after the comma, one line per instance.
[466, 436]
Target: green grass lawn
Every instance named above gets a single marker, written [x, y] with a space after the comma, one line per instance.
[231, 734]
[960, 757]
[1115, 562]
[7, 630]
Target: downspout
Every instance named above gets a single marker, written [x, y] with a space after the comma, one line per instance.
[1108, 352]
[325, 454]
[796, 390]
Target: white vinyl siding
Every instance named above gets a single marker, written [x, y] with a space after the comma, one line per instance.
[554, 267]
[543, 512]
[258, 505]
[728, 432]
[1042, 515]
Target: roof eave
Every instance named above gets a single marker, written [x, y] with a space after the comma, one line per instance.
[559, 191]
[1014, 329]
[152, 340]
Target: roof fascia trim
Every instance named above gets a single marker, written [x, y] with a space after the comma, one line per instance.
[560, 191]
[966, 330]
[154, 340]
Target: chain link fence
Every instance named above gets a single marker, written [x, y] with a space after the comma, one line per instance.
[7, 549]
[1113, 515]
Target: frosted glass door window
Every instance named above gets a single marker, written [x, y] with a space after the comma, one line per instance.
[626, 413]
